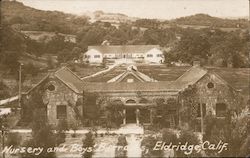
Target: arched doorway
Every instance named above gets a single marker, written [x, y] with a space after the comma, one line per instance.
[131, 111]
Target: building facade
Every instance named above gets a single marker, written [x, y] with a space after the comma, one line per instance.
[136, 53]
[138, 95]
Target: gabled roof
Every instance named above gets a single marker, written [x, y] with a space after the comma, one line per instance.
[65, 75]
[69, 78]
[191, 76]
[133, 87]
[134, 72]
[123, 49]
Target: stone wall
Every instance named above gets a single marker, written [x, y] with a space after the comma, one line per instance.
[211, 89]
[62, 95]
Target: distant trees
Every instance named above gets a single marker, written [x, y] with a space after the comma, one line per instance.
[211, 47]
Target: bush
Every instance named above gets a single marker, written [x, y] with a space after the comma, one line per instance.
[149, 144]
[13, 139]
[191, 139]
[169, 136]
[122, 142]
[88, 142]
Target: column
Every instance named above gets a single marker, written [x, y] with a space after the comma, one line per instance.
[124, 116]
[137, 116]
[151, 116]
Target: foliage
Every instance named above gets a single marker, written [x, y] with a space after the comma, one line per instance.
[169, 136]
[232, 130]
[30, 69]
[149, 143]
[188, 111]
[4, 91]
[114, 114]
[122, 142]
[61, 128]
[28, 113]
[13, 139]
[42, 137]
[212, 47]
[90, 106]
[42, 134]
[88, 143]
[192, 139]
[206, 20]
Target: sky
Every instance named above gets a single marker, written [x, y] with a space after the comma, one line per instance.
[160, 9]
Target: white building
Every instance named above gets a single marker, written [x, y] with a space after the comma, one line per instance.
[93, 56]
[137, 53]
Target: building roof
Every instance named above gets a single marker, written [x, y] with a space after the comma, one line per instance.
[66, 76]
[132, 87]
[132, 70]
[70, 79]
[123, 49]
[191, 76]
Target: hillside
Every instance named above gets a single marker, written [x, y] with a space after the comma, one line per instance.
[22, 17]
[207, 20]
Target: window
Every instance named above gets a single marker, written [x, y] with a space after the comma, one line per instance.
[149, 55]
[97, 56]
[130, 80]
[51, 87]
[203, 110]
[159, 55]
[61, 112]
[130, 101]
[221, 109]
[210, 85]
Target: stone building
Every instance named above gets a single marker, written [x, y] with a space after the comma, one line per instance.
[139, 94]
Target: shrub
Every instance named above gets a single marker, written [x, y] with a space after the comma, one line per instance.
[88, 142]
[13, 139]
[149, 144]
[122, 142]
[190, 138]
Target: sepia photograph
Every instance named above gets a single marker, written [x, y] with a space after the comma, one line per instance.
[124, 78]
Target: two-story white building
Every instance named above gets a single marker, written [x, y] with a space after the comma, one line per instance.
[139, 53]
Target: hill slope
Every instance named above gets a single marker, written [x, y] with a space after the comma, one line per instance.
[26, 18]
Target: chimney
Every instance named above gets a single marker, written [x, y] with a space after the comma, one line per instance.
[196, 63]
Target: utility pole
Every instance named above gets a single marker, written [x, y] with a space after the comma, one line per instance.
[202, 121]
[3, 142]
[20, 85]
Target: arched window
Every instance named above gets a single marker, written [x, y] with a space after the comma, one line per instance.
[117, 102]
[130, 101]
[221, 109]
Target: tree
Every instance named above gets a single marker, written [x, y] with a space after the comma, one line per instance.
[88, 143]
[149, 143]
[42, 134]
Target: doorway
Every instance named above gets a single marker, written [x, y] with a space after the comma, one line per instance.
[130, 115]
